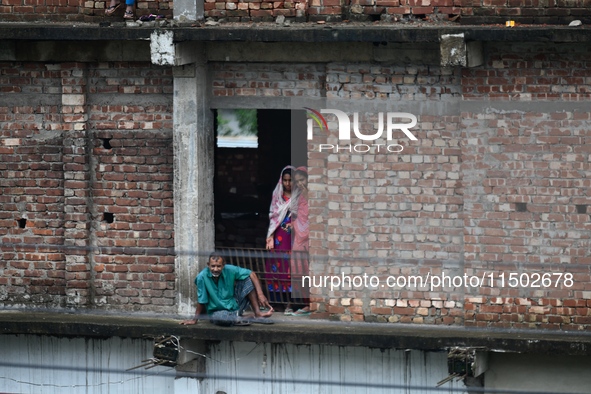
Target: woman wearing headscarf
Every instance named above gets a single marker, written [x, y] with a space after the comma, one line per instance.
[279, 240]
[300, 210]
[301, 229]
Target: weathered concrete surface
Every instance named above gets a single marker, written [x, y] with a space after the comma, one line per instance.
[300, 331]
[453, 50]
[305, 32]
[58, 51]
[193, 139]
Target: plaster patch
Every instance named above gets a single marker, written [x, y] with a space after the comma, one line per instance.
[162, 48]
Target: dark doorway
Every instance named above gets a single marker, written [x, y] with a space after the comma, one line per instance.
[245, 177]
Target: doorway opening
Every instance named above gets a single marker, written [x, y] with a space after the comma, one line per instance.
[252, 148]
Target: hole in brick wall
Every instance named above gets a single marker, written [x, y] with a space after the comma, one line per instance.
[22, 223]
[581, 208]
[521, 207]
[106, 143]
[375, 17]
[108, 217]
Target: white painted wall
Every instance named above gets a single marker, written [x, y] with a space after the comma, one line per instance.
[274, 367]
[76, 366]
[540, 373]
[94, 366]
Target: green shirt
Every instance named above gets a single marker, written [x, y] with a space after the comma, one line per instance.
[220, 296]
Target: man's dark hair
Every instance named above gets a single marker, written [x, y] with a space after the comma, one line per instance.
[215, 257]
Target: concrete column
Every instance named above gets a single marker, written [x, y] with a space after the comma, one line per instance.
[193, 143]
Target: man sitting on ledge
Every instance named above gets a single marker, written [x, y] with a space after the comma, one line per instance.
[224, 291]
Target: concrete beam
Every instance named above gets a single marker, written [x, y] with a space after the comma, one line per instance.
[165, 52]
[74, 51]
[186, 52]
[193, 142]
[391, 52]
[297, 33]
[302, 332]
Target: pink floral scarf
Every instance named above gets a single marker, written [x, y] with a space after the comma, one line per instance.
[279, 206]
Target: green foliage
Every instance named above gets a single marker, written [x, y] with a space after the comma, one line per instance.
[237, 122]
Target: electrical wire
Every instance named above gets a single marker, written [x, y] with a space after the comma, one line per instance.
[262, 254]
[267, 380]
[109, 383]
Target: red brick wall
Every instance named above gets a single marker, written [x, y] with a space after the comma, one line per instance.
[392, 214]
[526, 186]
[449, 202]
[267, 80]
[31, 190]
[471, 11]
[483, 191]
[64, 180]
[76, 11]
[134, 184]
[255, 10]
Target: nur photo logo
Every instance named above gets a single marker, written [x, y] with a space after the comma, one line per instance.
[388, 123]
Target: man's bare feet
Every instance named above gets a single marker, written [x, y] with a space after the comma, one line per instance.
[268, 313]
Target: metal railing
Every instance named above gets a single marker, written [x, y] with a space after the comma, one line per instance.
[277, 270]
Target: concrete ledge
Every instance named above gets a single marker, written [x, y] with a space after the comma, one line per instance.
[304, 32]
[300, 331]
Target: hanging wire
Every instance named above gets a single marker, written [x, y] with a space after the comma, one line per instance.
[319, 382]
[262, 253]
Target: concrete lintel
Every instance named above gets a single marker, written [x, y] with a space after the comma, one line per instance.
[448, 107]
[7, 51]
[323, 52]
[74, 51]
[251, 102]
[289, 52]
[296, 33]
[165, 52]
[188, 52]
